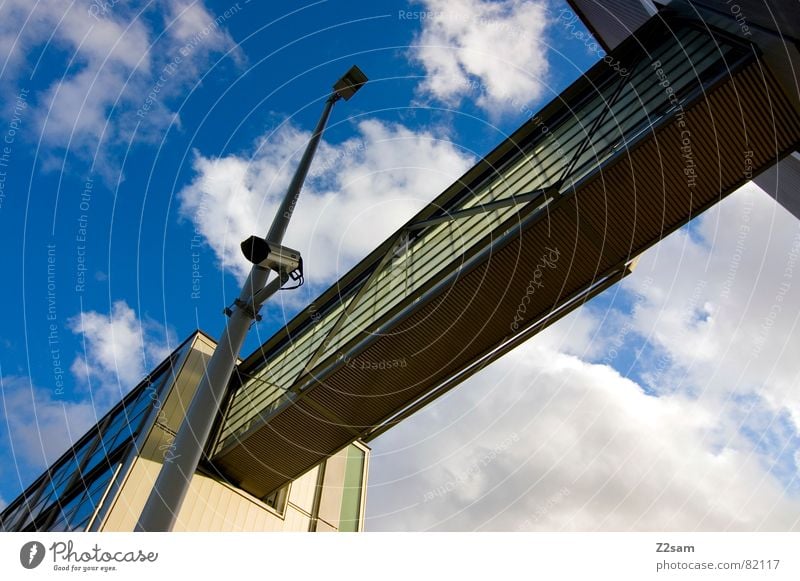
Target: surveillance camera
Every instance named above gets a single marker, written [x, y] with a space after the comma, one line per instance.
[271, 256]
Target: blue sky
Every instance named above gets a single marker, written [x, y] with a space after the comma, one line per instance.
[145, 140]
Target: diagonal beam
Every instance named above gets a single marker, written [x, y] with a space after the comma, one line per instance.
[623, 81]
[519, 199]
[323, 346]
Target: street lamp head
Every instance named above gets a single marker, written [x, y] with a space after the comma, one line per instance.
[351, 82]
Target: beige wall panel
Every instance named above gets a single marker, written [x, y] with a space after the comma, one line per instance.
[209, 506]
[302, 490]
[213, 506]
[128, 505]
[296, 521]
[323, 527]
[224, 517]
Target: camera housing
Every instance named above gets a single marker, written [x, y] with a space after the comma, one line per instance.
[272, 256]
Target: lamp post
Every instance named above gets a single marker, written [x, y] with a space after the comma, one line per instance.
[266, 254]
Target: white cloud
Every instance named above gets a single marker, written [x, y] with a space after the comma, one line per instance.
[38, 426]
[544, 439]
[189, 18]
[358, 192]
[113, 59]
[494, 52]
[119, 350]
[723, 304]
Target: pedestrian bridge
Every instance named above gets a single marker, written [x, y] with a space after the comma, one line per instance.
[553, 216]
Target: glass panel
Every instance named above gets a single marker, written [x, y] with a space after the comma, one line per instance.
[117, 430]
[90, 500]
[59, 526]
[46, 500]
[60, 474]
[351, 490]
[142, 403]
[271, 382]
[12, 516]
[126, 434]
[99, 456]
[277, 500]
[75, 513]
[61, 523]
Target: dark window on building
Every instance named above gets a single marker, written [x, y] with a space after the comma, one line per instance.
[278, 499]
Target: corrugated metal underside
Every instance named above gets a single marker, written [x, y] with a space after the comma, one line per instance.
[638, 198]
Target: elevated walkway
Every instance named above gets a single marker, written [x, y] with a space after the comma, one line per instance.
[551, 217]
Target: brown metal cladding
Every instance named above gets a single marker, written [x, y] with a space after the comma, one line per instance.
[299, 429]
[637, 199]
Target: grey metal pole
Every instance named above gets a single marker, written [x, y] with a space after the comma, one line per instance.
[281, 220]
[176, 473]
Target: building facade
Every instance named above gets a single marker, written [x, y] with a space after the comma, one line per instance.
[102, 482]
